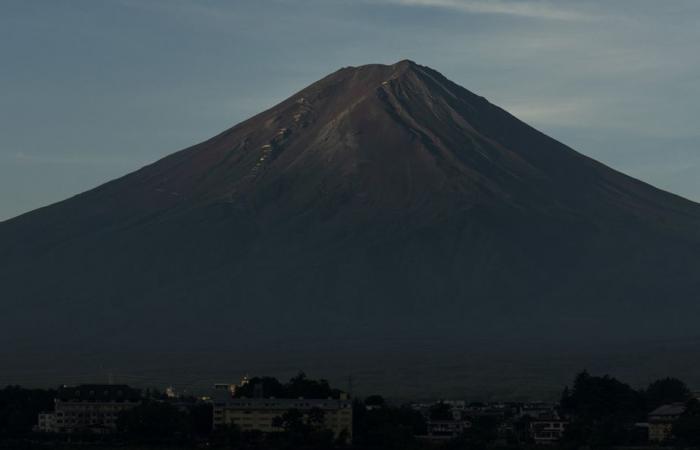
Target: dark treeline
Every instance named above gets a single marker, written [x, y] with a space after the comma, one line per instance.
[158, 421]
[602, 411]
[19, 408]
[298, 386]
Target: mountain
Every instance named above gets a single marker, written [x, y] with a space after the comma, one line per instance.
[382, 212]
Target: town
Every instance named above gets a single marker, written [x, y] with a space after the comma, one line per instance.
[262, 412]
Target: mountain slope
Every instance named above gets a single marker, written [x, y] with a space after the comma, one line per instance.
[379, 203]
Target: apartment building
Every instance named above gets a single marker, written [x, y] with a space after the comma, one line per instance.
[260, 413]
[88, 408]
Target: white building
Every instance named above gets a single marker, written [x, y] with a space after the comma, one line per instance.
[548, 431]
[260, 413]
[88, 408]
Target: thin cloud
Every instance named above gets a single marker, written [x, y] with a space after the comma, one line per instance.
[566, 113]
[90, 160]
[529, 9]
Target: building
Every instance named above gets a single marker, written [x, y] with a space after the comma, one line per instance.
[88, 408]
[535, 410]
[447, 429]
[171, 393]
[46, 422]
[496, 411]
[260, 413]
[231, 387]
[455, 404]
[547, 431]
[661, 421]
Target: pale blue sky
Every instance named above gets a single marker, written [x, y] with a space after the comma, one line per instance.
[93, 89]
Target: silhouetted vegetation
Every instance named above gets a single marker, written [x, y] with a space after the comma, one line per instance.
[686, 430]
[482, 434]
[301, 430]
[298, 386]
[386, 426]
[154, 421]
[665, 391]
[375, 401]
[20, 407]
[602, 412]
[440, 411]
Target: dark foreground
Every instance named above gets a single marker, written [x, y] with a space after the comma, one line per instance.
[593, 413]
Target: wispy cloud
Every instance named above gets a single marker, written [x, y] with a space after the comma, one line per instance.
[522, 8]
[89, 160]
[571, 112]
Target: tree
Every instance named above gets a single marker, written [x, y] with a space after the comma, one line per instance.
[593, 398]
[301, 431]
[412, 420]
[521, 429]
[301, 386]
[376, 401]
[603, 411]
[687, 428]
[316, 418]
[441, 411]
[484, 431]
[665, 391]
[201, 417]
[388, 427]
[229, 435]
[20, 408]
[266, 386]
[153, 421]
[298, 386]
[290, 421]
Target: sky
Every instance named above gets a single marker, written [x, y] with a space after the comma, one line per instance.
[93, 89]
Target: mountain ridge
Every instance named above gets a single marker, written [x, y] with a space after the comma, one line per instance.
[380, 200]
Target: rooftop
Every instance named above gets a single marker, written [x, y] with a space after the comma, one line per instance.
[671, 410]
[98, 393]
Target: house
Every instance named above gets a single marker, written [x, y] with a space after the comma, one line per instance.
[88, 408]
[447, 429]
[549, 430]
[661, 421]
[535, 410]
[260, 413]
[497, 411]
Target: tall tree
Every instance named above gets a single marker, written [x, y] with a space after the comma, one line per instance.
[20, 407]
[666, 390]
[603, 411]
[153, 421]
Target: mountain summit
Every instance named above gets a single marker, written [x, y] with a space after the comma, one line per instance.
[381, 204]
